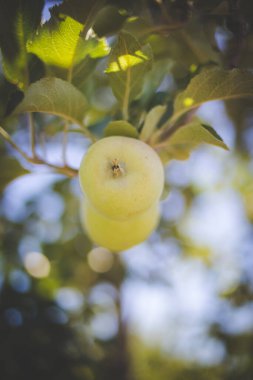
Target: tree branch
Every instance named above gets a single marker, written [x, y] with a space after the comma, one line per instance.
[32, 133]
[66, 170]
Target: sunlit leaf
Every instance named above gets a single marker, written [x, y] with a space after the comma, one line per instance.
[215, 84]
[151, 121]
[18, 21]
[120, 128]
[188, 138]
[126, 61]
[59, 43]
[54, 96]
[10, 170]
[127, 66]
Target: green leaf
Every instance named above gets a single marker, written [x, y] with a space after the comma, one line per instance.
[58, 43]
[17, 22]
[79, 10]
[206, 5]
[10, 170]
[153, 79]
[10, 96]
[151, 122]
[186, 47]
[109, 20]
[83, 71]
[54, 96]
[120, 128]
[127, 66]
[189, 137]
[215, 84]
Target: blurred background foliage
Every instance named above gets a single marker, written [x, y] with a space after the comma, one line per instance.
[178, 306]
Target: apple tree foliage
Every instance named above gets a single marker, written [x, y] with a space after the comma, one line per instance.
[128, 51]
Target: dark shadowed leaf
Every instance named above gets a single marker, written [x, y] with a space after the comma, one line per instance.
[18, 20]
[79, 10]
[109, 20]
[82, 71]
[10, 96]
[206, 5]
[10, 170]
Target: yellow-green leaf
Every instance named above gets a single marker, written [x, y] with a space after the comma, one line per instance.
[189, 137]
[61, 45]
[215, 84]
[54, 96]
[151, 121]
[127, 66]
[120, 128]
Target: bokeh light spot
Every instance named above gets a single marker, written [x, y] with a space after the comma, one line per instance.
[37, 264]
[104, 325]
[13, 317]
[69, 299]
[100, 260]
[56, 315]
[20, 281]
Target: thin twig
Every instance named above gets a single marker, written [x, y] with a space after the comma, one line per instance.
[65, 142]
[66, 170]
[8, 138]
[43, 144]
[32, 133]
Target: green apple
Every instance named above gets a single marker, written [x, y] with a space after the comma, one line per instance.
[121, 176]
[118, 235]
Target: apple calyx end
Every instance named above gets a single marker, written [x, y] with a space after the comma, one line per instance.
[117, 168]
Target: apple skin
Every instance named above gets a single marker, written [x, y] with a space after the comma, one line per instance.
[124, 191]
[118, 235]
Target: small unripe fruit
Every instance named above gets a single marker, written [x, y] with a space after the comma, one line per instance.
[118, 235]
[121, 176]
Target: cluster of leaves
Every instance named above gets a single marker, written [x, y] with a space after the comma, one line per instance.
[60, 66]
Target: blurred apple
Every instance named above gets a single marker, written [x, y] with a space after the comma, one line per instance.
[118, 235]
